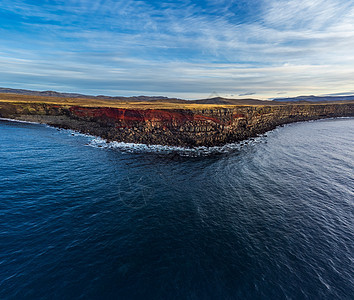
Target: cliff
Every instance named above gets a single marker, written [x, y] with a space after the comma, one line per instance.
[197, 126]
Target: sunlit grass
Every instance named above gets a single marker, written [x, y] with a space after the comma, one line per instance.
[87, 102]
[117, 103]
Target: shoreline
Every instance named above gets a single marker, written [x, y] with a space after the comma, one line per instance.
[187, 129]
[200, 151]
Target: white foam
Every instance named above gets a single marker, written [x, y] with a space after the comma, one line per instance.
[161, 149]
[18, 121]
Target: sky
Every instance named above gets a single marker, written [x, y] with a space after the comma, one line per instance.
[187, 49]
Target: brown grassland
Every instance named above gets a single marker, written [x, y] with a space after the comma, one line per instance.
[89, 102]
[155, 104]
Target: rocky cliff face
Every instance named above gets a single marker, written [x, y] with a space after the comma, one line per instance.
[197, 127]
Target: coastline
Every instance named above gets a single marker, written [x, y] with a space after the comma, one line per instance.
[99, 142]
[18, 121]
[180, 128]
[201, 151]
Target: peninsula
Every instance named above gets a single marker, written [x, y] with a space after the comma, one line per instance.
[165, 121]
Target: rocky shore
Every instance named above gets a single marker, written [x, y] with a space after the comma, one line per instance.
[176, 127]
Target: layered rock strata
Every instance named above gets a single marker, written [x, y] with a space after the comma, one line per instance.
[176, 127]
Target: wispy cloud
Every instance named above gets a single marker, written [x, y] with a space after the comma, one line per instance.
[247, 94]
[179, 48]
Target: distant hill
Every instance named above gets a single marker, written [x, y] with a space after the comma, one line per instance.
[162, 99]
[75, 95]
[315, 99]
[226, 101]
[215, 100]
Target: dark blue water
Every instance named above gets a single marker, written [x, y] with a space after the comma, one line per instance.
[270, 219]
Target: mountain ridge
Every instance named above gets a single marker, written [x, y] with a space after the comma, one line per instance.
[214, 100]
[313, 98]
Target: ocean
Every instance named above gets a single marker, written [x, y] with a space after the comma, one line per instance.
[269, 218]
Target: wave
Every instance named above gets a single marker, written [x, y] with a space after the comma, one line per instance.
[18, 121]
[182, 151]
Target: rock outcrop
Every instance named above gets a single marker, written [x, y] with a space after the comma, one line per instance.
[177, 127]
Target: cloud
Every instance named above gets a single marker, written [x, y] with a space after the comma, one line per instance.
[351, 93]
[179, 48]
[247, 94]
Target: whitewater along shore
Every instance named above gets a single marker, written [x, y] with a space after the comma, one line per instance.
[171, 124]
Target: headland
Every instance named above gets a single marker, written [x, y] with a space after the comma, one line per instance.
[164, 121]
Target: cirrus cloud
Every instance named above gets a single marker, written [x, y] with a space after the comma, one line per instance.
[178, 48]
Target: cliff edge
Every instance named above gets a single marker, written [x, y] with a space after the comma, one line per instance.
[199, 125]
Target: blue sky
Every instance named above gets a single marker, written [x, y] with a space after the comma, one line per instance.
[186, 49]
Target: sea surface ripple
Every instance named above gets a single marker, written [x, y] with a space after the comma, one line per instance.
[270, 218]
